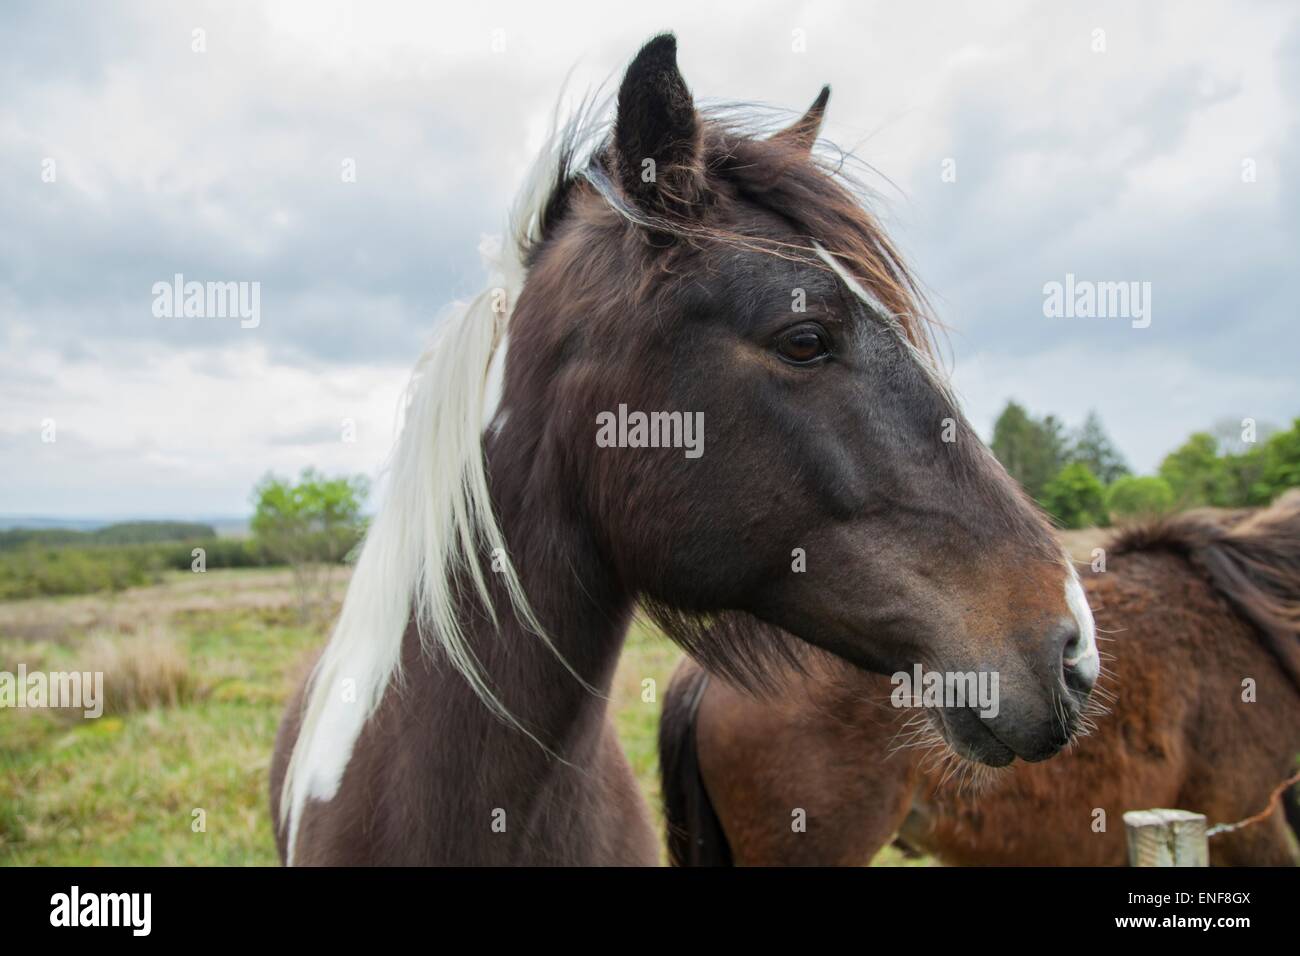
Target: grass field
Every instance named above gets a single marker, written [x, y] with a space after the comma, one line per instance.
[204, 663]
[210, 658]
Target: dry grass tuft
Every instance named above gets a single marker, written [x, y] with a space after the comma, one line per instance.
[142, 670]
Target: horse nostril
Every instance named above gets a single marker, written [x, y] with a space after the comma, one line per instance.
[1078, 662]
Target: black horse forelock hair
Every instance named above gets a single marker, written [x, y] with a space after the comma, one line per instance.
[584, 157]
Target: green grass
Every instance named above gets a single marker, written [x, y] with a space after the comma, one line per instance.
[123, 790]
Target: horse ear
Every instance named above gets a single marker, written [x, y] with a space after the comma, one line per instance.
[657, 132]
[803, 131]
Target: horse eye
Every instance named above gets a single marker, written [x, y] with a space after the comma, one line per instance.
[803, 345]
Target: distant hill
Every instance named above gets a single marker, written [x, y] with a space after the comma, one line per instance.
[231, 527]
[119, 533]
[8, 522]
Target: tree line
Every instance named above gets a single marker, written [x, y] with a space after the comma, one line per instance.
[316, 522]
[121, 533]
[308, 525]
[1080, 478]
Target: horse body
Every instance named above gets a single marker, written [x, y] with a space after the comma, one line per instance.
[1180, 732]
[1180, 735]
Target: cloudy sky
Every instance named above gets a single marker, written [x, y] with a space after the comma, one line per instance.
[1151, 143]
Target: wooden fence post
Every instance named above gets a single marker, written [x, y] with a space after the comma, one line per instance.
[1166, 838]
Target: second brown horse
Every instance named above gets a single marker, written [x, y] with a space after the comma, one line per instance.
[1203, 611]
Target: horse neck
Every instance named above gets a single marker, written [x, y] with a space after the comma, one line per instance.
[574, 596]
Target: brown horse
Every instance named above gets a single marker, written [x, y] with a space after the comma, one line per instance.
[669, 274]
[1205, 715]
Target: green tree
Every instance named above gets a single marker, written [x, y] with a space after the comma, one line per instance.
[309, 525]
[1279, 465]
[1031, 451]
[1075, 497]
[1241, 474]
[1197, 474]
[1093, 447]
[1139, 497]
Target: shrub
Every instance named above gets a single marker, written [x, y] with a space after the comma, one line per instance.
[1075, 497]
[1196, 474]
[1279, 465]
[50, 572]
[1139, 497]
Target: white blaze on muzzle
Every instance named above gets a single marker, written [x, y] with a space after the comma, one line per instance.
[1085, 660]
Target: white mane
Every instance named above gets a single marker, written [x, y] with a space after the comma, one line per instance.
[436, 518]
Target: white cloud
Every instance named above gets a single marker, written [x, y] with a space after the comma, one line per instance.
[1153, 400]
[226, 165]
[183, 432]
